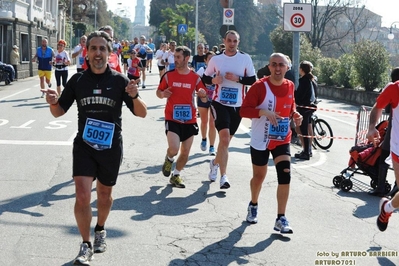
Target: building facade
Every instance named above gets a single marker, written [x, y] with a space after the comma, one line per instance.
[25, 23]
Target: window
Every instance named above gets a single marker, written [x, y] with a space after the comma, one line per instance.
[24, 48]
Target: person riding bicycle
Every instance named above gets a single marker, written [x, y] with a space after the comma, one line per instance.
[305, 98]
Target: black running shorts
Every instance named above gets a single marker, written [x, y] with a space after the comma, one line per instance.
[226, 117]
[184, 131]
[261, 158]
[103, 165]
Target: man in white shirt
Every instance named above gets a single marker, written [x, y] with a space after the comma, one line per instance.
[80, 53]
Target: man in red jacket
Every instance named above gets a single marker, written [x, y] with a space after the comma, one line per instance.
[270, 103]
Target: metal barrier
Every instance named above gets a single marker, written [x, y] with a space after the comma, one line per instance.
[362, 126]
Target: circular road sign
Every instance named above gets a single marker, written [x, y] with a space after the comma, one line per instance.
[297, 20]
[228, 13]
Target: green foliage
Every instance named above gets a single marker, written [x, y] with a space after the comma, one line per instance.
[344, 72]
[327, 67]
[247, 21]
[308, 53]
[371, 62]
[264, 45]
[282, 41]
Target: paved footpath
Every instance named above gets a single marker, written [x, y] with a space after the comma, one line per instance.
[153, 223]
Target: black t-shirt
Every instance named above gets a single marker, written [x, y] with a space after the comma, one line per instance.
[98, 96]
[198, 62]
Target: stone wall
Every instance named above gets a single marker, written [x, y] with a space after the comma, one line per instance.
[356, 97]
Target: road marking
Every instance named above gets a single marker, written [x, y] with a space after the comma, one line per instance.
[339, 120]
[72, 136]
[32, 142]
[9, 96]
[322, 160]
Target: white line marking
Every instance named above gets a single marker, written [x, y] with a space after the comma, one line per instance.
[32, 142]
[339, 120]
[322, 160]
[9, 96]
[72, 137]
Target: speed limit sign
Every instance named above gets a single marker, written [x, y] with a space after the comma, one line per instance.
[297, 17]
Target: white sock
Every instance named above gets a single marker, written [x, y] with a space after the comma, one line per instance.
[388, 207]
[176, 172]
[170, 159]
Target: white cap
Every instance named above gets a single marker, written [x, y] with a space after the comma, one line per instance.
[15, 47]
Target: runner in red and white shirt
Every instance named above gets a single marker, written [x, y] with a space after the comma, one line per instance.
[270, 103]
[390, 95]
[179, 87]
[134, 66]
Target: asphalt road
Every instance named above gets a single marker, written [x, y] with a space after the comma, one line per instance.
[152, 223]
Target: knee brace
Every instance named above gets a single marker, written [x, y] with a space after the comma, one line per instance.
[283, 172]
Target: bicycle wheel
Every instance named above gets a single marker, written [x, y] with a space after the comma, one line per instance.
[322, 134]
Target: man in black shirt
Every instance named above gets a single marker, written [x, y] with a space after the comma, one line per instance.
[99, 93]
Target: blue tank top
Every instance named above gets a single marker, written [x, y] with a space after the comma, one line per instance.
[44, 59]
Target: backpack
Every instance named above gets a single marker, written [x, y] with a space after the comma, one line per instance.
[142, 53]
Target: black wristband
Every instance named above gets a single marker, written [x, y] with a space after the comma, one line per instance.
[135, 97]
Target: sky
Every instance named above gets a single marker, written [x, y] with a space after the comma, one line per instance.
[117, 6]
[388, 9]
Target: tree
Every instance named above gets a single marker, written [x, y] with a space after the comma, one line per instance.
[282, 43]
[342, 76]
[247, 20]
[264, 44]
[371, 62]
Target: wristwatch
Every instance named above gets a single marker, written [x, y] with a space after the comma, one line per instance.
[239, 79]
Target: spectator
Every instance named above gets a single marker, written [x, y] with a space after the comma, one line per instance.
[14, 58]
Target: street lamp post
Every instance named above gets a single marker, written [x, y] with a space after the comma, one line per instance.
[95, 15]
[391, 36]
[70, 43]
[196, 24]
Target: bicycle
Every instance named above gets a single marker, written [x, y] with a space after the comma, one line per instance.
[322, 132]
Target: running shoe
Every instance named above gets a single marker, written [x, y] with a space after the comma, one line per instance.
[177, 181]
[203, 145]
[283, 226]
[85, 255]
[100, 245]
[252, 216]
[167, 167]
[143, 86]
[213, 174]
[49, 85]
[224, 182]
[383, 218]
[212, 151]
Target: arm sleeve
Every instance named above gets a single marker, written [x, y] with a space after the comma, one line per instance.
[248, 80]
[207, 79]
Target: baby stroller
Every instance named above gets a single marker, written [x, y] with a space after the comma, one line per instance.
[4, 75]
[364, 159]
